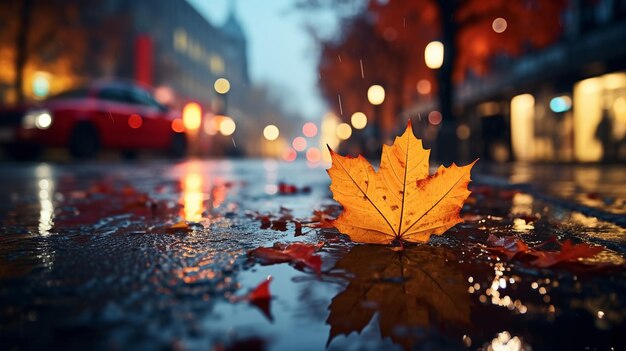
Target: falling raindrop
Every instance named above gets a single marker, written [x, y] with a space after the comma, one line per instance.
[362, 73]
[340, 107]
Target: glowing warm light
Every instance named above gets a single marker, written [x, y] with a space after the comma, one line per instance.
[192, 116]
[376, 94]
[588, 99]
[178, 126]
[313, 155]
[193, 197]
[227, 126]
[619, 106]
[271, 132]
[309, 129]
[222, 85]
[290, 155]
[43, 121]
[463, 132]
[344, 131]
[359, 120]
[433, 55]
[434, 118]
[135, 121]
[424, 87]
[212, 124]
[499, 25]
[299, 143]
[164, 95]
[328, 134]
[522, 127]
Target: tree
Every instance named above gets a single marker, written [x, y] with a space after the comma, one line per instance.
[470, 36]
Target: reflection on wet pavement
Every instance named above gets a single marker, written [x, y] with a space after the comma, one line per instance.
[88, 260]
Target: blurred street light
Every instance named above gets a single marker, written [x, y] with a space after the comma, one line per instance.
[222, 86]
[271, 132]
[344, 131]
[376, 94]
[423, 87]
[358, 120]
[433, 55]
[299, 143]
[309, 129]
[499, 25]
[227, 126]
[192, 116]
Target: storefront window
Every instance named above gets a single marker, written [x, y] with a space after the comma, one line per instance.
[600, 118]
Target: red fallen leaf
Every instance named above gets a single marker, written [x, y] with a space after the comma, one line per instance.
[259, 297]
[297, 253]
[181, 226]
[290, 189]
[262, 291]
[508, 245]
[568, 252]
[321, 219]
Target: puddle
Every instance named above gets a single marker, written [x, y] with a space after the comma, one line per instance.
[88, 260]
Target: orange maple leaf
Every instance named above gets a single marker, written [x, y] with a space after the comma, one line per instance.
[400, 201]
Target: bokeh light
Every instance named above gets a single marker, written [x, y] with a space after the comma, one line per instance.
[227, 126]
[359, 120]
[309, 129]
[499, 25]
[271, 132]
[463, 132]
[376, 94]
[423, 87]
[344, 131]
[192, 116]
[177, 125]
[313, 155]
[434, 118]
[433, 54]
[135, 121]
[290, 155]
[299, 143]
[222, 85]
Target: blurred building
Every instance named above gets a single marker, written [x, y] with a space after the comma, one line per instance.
[564, 103]
[164, 43]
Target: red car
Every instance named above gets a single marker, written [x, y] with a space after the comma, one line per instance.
[110, 114]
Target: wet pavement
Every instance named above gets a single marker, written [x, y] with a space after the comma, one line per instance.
[89, 260]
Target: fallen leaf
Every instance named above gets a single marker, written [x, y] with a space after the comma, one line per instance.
[508, 245]
[568, 252]
[261, 298]
[512, 247]
[297, 253]
[400, 201]
[412, 291]
[179, 227]
[262, 291]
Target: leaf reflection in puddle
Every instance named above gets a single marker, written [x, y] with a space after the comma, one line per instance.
[420, 290]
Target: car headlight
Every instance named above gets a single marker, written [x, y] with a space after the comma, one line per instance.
[40, 119]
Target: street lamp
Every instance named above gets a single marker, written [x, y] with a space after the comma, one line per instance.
[222, 86]
[433, 54]
[376, 94]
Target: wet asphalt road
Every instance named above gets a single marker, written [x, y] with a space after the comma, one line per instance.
[88, 261]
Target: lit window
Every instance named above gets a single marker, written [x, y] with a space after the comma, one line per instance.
[180, 39]
[216, 64]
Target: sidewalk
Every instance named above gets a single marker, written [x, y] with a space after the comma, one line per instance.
[595, 190]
